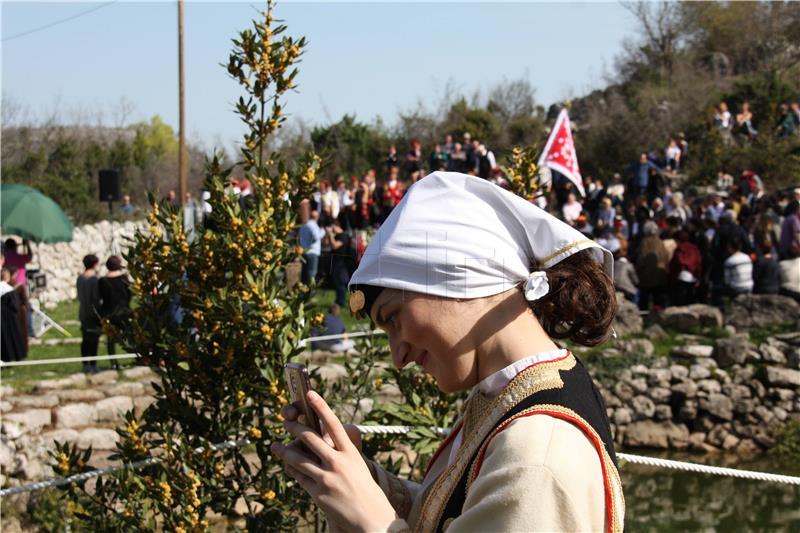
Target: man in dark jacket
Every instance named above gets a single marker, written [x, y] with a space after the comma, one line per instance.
[766, 271]
[88, 306]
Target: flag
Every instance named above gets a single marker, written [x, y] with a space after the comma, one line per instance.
[559, 152]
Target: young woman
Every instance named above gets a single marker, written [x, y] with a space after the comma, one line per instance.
[115, 298]
[472, 283]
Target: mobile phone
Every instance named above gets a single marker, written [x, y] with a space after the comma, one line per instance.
[299, 385]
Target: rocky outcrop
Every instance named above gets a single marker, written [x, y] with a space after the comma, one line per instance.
[690, 317]
[628, 321]
[761, 310]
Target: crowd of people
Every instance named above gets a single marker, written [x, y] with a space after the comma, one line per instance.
[671, 247]
[742, 125]
[676, 248]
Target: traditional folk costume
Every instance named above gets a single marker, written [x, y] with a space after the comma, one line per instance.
[532, 450]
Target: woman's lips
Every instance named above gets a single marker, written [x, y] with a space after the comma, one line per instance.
[422, 358]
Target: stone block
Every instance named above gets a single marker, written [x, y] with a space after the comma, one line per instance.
[782, 377]
[60, 435]
[107, 376]
[112, 409]
[694, 351]
[31, 420]
[40, 401]
[79, 395]
[683, 318]
[139, 372]
[74, 415]
[651, 434]
[141, 403]
[128, 388]
[622, 416]
[729, 351]
[11, 430]
[75, 380]
[98, 439]
[718, 405]
[643, 407]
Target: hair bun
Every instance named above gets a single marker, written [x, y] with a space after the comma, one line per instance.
[581, 304]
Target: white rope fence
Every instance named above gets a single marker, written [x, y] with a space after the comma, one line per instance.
[65, 360]
[402, 430]
[706, 469]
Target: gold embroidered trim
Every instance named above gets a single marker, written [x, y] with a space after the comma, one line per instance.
[615, 484]
[564, 249]
[479, 420]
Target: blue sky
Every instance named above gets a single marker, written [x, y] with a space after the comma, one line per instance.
[369, 58]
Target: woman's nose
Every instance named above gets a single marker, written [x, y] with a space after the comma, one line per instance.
[399, 351]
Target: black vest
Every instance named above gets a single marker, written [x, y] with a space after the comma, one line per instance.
[579, 394]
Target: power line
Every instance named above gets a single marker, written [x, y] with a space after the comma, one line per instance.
[72, 17]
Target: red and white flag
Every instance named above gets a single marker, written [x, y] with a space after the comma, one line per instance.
[559, 152]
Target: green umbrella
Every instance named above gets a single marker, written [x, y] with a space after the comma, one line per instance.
[32, 215]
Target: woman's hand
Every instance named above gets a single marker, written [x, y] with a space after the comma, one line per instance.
[331, 469]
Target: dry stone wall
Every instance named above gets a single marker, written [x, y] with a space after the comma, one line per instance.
[62, 262]
[722, 393]
[82, 409]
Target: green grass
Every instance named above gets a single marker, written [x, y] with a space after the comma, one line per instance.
[760, 334]
[22, 378]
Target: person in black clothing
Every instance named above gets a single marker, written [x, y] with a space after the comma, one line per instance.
[343, 259]
[438, 158]
[391, 159]
[88, 304]
[728, 232]
[12, 336]
[115, 298]
[766, 271]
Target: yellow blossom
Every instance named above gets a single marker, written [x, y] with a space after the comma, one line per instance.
[268, 495]
[255, 433]
[166, 492]
[63, 462]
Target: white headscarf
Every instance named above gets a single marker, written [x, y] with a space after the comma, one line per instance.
[460, 236]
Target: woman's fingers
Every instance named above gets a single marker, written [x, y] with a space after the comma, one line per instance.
[329, 420]
[311, 439]
[354, 435]
[290, 412]
[296, 457]
[306, 482]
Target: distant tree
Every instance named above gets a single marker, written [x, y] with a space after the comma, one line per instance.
[349, 147]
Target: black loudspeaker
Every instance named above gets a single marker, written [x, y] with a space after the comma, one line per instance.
[109, 186]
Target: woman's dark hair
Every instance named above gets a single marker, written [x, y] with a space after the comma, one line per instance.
[114, 263]
[581, 303]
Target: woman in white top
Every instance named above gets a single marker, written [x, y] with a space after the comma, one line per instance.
[473, 284]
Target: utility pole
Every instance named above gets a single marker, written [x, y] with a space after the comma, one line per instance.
[183, 156]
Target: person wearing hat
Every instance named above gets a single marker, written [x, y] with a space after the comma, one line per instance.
[473, 283]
